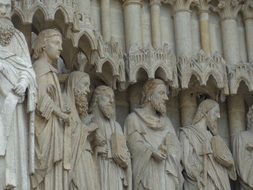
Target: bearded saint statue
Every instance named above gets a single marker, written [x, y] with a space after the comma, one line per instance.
[153, 142]
[17, 100]
[113, 158]
[243, 154]
[83, 174]
[208, 162]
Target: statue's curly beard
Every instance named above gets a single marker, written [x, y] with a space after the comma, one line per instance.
[81, 103]
[107, 110]
[7, 31]
[159, 106]
[212, 125]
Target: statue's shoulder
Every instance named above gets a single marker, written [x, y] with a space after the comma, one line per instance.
[41, 68]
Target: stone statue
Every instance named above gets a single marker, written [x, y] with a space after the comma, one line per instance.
[113, 158]
[153, 143]
[243, 154]
[17, 100]
[208, 163]
[52, 157]
[83, 174]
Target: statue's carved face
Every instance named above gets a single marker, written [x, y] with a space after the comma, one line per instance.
[159, 98]
[212, 117]
[53, 47]
[5, 8]
[106, 104]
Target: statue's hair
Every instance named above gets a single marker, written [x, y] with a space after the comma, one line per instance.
[149, 88]
[99, 91]
[42, 40]
[250, 117]
[203, 109]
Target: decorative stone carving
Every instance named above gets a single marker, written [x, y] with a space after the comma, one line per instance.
[243, 154]
[150, 60]
[16, 77]
[52, 150]
[83, 173]
[247, 9]
[180, 5]
[113, 158]
[203, 66]
[208, 162]
[239, 73]
[228, 9]
[110, 53]
[153, 143]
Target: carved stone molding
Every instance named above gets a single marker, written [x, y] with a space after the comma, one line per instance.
[110, 53]
[237, 74]
[203, 66]
[180, 5]
[228, 9]
[127, 2]
[247, 9]
[151, 60]
[152, 2]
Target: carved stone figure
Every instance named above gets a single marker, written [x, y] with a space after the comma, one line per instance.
[83, 174]
[243, 154]
[153, 143]
[113, 158]
[52, 157]
[17, 100]
[208, 163]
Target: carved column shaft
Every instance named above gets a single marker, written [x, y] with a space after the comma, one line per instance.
[105, 18]
[204, 31]
[155, 23]
[236, 111]
[230, 41]
[188, 104]
[132, 15]
[249, 38]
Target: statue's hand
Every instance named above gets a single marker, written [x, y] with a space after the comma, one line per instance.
[20, 89]
[158, 155]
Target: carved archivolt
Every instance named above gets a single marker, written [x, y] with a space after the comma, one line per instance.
[203, 66]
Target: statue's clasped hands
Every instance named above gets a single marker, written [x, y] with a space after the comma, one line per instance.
[20, 88]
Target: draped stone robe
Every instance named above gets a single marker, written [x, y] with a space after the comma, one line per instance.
[111, 175]
[14, 118]
[49, 131]
[194, 161]
[144, 134]
[243, 156]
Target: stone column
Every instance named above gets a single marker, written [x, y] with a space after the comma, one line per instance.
[228, 12]
[132, 19]
[204, 26]
[155, 23]
[182, 22]
[105, 20]
[248, 20]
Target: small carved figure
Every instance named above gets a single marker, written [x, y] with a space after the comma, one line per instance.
[208, 162]
[113, 158]
[83, 174]
[17, 100]
[52, 157]
[153, 143]
[243, 154]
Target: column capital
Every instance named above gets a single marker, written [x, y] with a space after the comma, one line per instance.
[228, 9]
[127, 2]
[155, 2]
[180, 5]
[247, 9]
[202, 5]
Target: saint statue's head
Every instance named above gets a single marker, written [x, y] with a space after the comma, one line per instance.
[209, 110]
[48, 44]
[155, 93]
[250, 118]
[103, 101]
[77, 89]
